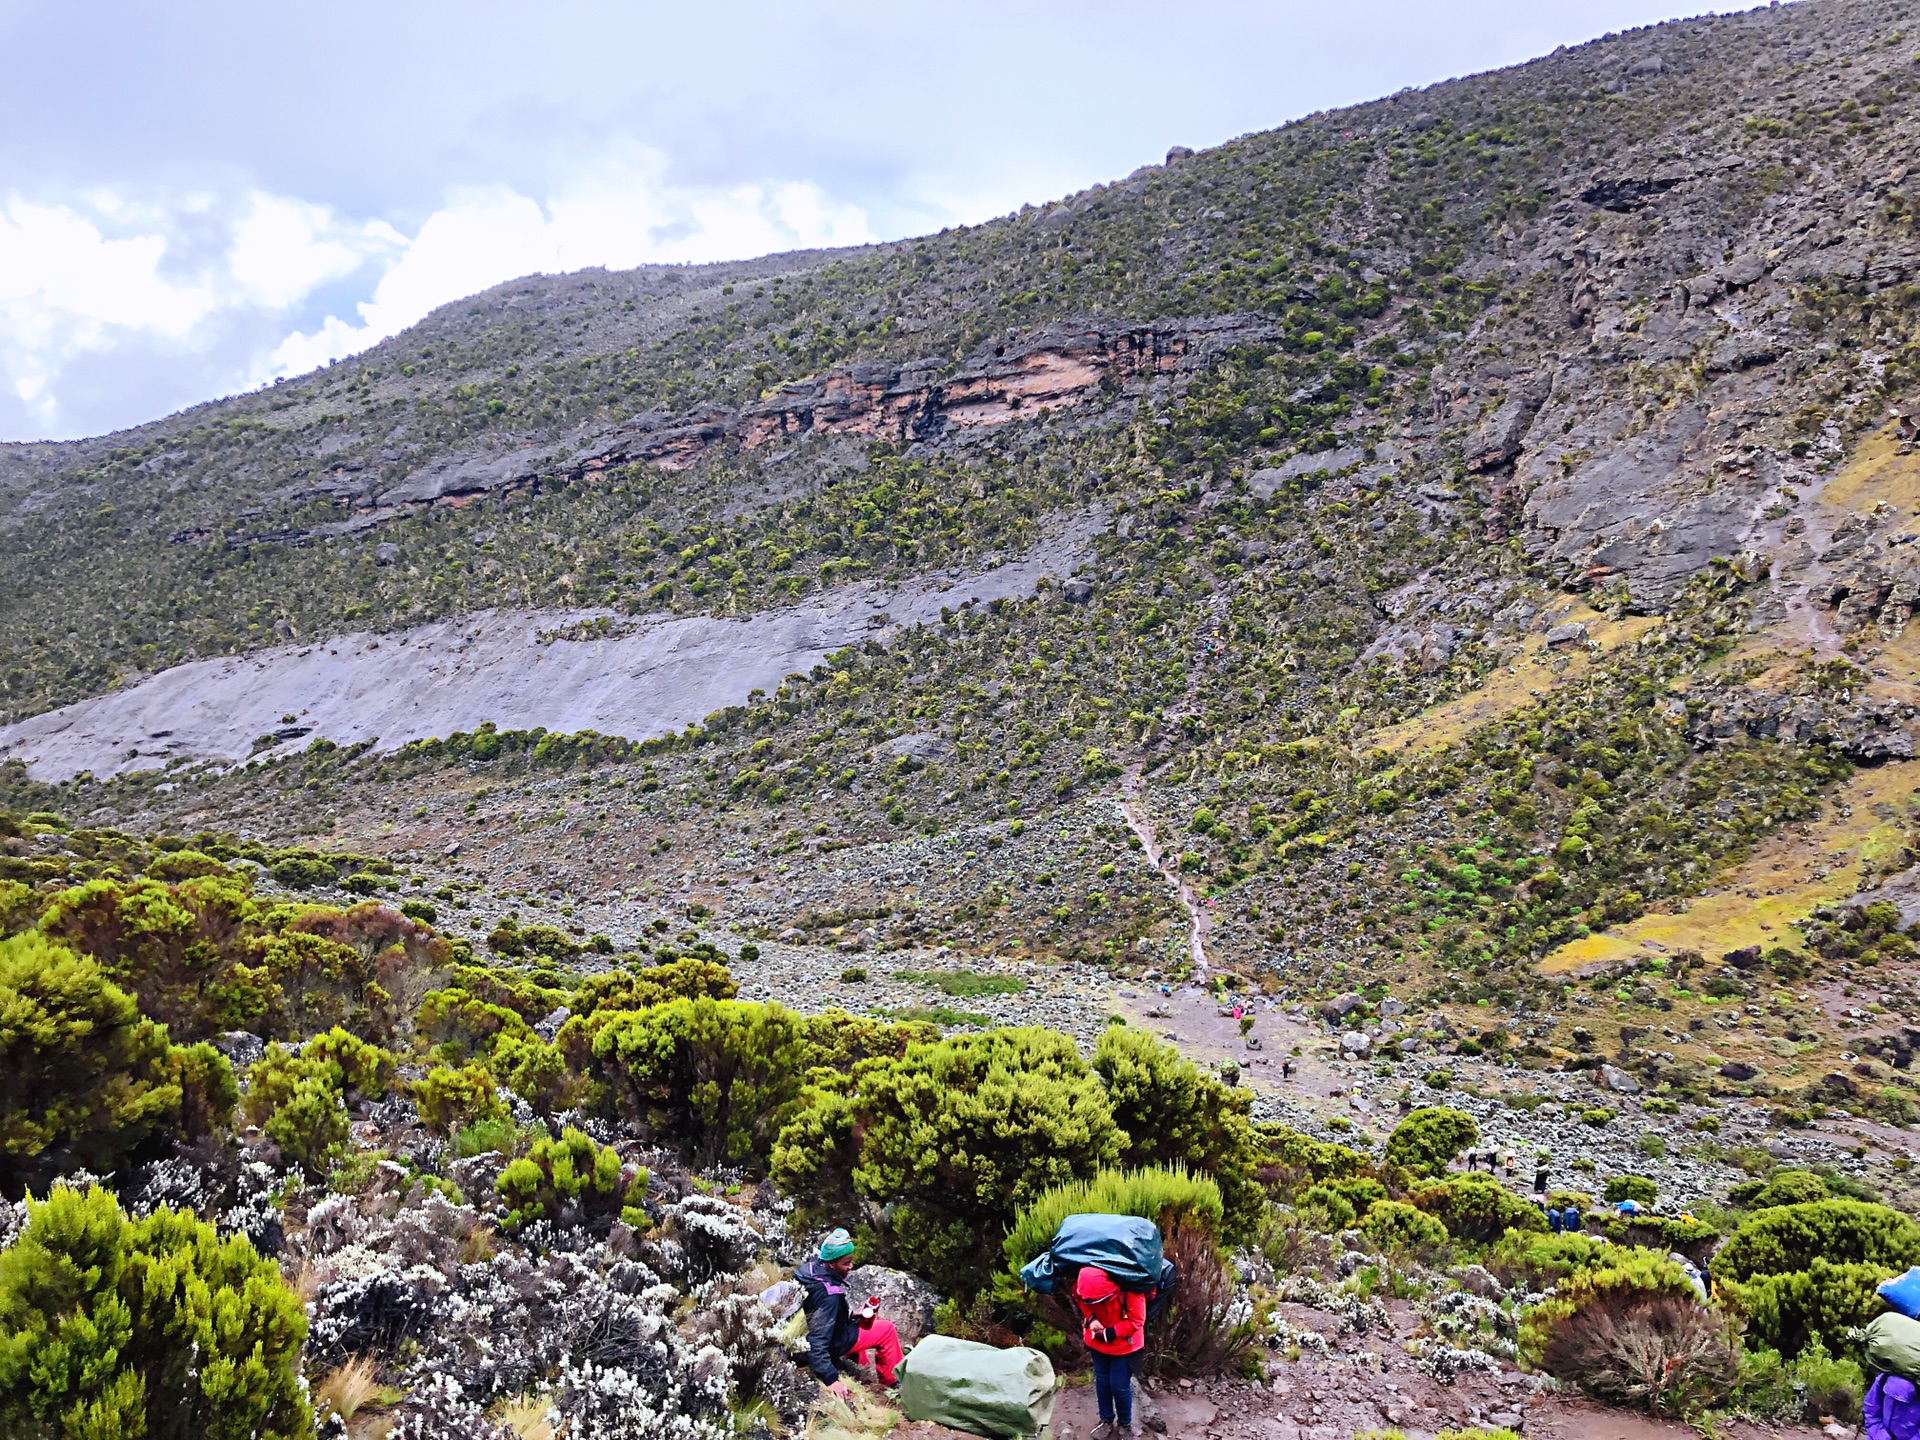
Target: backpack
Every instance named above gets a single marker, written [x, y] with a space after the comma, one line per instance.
[1125, 1246]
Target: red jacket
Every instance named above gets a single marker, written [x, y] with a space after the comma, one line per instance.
[1104, 1306]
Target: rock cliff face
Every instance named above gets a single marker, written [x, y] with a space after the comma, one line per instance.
[1062, 366]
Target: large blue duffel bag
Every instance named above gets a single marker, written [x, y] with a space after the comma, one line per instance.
[1127, 1247]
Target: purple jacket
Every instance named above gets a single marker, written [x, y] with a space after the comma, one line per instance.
[1892, 1409]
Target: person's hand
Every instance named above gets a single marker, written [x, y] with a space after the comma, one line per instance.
[838, 1389]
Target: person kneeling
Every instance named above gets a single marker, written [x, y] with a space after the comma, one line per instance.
[837, 1333]
[1114, 1325]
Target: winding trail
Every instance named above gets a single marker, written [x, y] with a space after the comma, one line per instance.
[1200, 922]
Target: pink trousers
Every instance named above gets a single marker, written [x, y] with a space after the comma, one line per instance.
[879, 1337]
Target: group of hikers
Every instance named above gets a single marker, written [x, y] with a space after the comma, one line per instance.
[1113, 1324]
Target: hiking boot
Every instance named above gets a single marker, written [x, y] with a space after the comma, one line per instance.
[1105, 1430]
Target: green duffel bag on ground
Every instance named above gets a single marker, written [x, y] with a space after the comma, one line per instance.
[1006, 1394]
[1893, 1345]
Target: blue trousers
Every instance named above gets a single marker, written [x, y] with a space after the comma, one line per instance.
[1113, 1385]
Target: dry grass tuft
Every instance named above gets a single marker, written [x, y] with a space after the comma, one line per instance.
[349, 1390]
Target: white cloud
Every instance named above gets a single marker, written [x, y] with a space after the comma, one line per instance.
[106, 271]
[233, 282]
[620, 215]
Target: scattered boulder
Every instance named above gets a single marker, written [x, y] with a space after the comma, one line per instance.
[1342, 1006]
[906, 1300]
[241, 1047]
[1618, 1080]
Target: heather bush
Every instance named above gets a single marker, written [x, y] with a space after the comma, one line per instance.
[716, 1078]
[1477, 1209]
[687, 977]
[1403, 1230]
[1429, 1139]
[1636, 1188]
[1789, 1238]
[1167, 1196]
[572, 1181]
[300, 1100]
[955, 1137]
[84, 1078]
[1811, 1387]
[1175, 1114]
[448, 1099]
[1789, 1187]
[1541, 1260]
[1324, 1208]
[535, 1071]
[1633, 1332]
[205, 955]
[1789, 1311]
[154, 1327]
[1200, 1334]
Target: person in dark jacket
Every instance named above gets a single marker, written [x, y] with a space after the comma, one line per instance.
[836, 1332]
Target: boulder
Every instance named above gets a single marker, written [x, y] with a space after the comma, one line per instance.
[1618, 1080]
[1356, 1045]
[906, 1300]
[241, 1047]
[1342, 1006]
[1077, 592]
[1739, 1071]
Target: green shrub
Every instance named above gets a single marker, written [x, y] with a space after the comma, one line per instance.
[1174, 1114]
[1427, 1141]
[206, 955]
[111, 1327]
[84, 1078]
[1812, 1386]
[1597, 1116]
[1789, 1238]
[1477, 1209]
[183, 865]
[1403, 1230]
[535, 1071]
[1543, 1260]
[686, 977]
[1201, 1333]
[957, 1136]
[1168, 1197]
[447, 1099]
[571, 1180]
[1636, 1188]
[1324, 1208]
[1790, 1187]
[1362, 1192]
[300, 1101]
[1633, 1332]
[1308, 1158]
[716, 1078]
[1787, 1311]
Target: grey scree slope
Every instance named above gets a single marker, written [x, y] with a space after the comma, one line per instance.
[662, 674]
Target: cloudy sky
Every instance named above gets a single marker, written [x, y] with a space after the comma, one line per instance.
[197, 198]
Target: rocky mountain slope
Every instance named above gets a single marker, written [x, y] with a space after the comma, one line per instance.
[1413, 607]
[1465, 536]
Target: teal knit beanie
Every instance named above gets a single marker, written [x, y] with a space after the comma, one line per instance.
[837, 1243]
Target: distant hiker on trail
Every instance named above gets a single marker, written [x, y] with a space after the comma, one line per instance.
[1114, 1325]
[1286, 1069]
[836, 1332]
